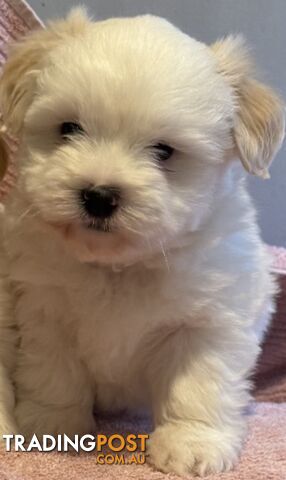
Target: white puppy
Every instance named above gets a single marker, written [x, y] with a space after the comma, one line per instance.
[131, 261]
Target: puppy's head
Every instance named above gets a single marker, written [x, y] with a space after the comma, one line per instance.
[127, 127]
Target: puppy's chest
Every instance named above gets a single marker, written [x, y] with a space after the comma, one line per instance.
[115, 315]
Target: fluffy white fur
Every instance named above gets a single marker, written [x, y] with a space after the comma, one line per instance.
[165, 309]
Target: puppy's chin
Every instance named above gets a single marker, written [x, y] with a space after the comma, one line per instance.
[106, 248]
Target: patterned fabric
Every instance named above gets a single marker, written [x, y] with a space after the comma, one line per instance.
[270, 378]
[16, 19]
[279, 256]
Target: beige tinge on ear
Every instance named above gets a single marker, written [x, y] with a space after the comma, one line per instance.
[26, 58]
[17, 82]
[259, 124]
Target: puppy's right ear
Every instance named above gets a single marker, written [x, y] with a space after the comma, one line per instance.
[26, 59]
[259, 120]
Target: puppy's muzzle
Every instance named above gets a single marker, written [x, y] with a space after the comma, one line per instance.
[100, 202]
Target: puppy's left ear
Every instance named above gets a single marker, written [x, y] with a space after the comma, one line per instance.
[26, 59]
[259, 123]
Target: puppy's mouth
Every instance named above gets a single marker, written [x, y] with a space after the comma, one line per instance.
[98, 226]
[86, 225]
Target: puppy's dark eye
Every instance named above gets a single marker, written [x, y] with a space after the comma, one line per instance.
[162, 151]
[68, 129]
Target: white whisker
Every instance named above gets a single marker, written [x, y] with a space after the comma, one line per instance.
[24, 214]
[165, 256]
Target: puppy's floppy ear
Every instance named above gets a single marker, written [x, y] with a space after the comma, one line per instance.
[259, 122]
[18, 81]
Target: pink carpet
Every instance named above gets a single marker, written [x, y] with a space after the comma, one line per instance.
[264, 455]
[263, 458]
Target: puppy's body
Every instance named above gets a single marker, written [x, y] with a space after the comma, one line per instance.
[190, 320]
[169, 305]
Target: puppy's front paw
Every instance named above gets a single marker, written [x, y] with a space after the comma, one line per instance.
[184, 449]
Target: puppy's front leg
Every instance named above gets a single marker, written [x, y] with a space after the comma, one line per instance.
[54, 394]
[8, 340]
[199, 391]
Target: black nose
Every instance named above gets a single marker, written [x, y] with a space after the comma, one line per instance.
[100, 202]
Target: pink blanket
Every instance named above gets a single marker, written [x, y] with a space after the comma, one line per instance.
[16, 19]
[264, 456]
